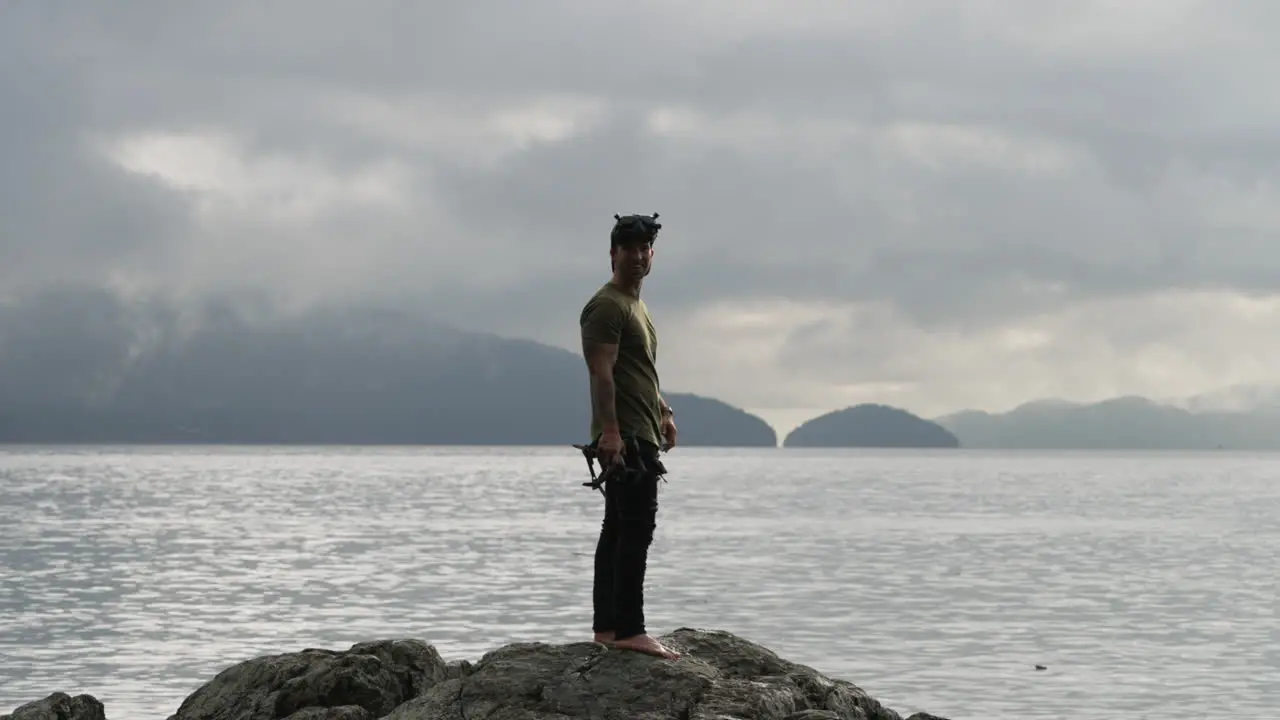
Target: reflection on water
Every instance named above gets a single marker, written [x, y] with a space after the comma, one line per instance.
[936, 581]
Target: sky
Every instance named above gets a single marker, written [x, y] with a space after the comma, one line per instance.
[935, 205]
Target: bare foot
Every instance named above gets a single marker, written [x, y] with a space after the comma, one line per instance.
[647, 645]
[605, 638]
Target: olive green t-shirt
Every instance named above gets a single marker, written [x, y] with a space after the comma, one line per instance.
[615, 317]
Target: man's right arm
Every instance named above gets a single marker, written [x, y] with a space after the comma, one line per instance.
[600, 360]
[601, 331]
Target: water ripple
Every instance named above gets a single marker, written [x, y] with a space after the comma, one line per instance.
[936, 581]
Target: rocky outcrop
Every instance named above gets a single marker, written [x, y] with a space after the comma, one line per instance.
[60, 706]
[720, 677]
[367, 681]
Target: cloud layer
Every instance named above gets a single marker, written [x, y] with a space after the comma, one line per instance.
[933, 204]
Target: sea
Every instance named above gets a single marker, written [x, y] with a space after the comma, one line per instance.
[970, 584]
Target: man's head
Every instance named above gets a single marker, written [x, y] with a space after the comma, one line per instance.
[631, 245]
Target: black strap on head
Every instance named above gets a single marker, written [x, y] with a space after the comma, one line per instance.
[631, 228]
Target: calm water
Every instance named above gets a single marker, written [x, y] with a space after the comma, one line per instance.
[936, 581]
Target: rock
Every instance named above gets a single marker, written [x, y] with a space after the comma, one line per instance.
[720, 677]
[364, 682]
[346, 712]
[60, 706]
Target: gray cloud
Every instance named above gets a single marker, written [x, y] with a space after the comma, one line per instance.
[970, 167]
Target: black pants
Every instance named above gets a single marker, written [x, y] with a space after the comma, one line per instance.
[622, 553]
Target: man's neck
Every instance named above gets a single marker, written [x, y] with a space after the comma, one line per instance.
[630, 287]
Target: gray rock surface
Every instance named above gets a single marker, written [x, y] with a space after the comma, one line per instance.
[364, 682]
[60, 706]
[720, 677]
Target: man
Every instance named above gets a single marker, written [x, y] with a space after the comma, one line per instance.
[629, 424]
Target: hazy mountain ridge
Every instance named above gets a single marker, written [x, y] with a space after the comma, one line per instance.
[1122, 423]
[84, 366]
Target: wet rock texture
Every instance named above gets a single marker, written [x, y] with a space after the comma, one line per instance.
[365, 682]
[60, 706]
[720, 677]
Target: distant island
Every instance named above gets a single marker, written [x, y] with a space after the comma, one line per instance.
[1123, 423]
[870, 425]
[83, 367]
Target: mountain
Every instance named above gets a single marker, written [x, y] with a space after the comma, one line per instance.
[704, 421]
[88, 367]
[1123, 423]
[870, 425]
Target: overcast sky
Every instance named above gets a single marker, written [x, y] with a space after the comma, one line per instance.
[933, 204]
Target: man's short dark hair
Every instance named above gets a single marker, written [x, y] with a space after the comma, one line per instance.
[634, 228]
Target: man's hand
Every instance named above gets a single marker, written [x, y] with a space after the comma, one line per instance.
[669, 431]
[610, 448]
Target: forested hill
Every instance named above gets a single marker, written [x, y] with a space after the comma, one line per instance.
[85, 367]
[871, 425]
